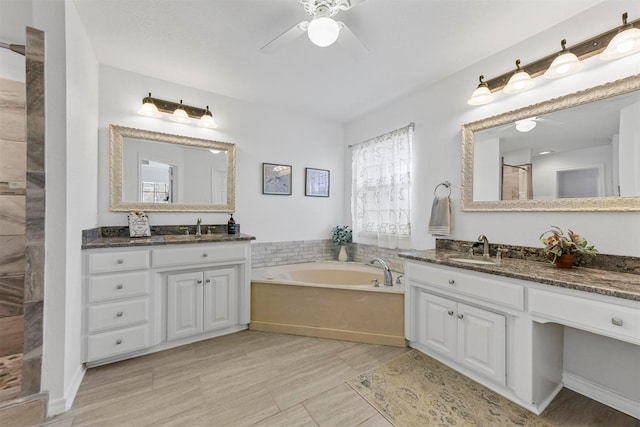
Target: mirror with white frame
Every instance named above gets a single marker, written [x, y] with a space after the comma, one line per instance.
[159, 172]
[580, 152]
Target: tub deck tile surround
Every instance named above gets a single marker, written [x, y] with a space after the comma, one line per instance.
[328, 300]
[602, 282]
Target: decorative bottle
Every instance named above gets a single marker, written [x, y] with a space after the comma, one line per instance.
[231, 225]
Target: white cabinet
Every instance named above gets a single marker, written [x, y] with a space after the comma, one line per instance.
[143, 299]
[118, 311]
[471, 336]
[200, 302]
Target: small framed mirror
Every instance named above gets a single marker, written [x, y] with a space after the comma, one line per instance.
[574, 153]
[159, 172]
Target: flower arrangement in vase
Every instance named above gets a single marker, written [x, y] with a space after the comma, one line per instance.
[341, 235]
[561, 249]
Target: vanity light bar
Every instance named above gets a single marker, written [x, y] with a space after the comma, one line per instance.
[202, 115]
[583, 50]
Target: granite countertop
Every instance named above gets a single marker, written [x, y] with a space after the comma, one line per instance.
[603, 282]
[166, 239]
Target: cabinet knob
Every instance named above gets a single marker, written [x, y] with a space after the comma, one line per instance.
[460, 316]
[118, 342]
[616, 321]
[120, 261]
[119, 314]
[199, 281]
[204, 255]
[450, 312]
[208, 280]
[119, 286]
[452, 282]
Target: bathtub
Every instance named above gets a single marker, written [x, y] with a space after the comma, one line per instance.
[328, 300]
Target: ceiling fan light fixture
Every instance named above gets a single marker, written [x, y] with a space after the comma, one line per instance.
[323, 31]
[626, 42]
[519, 82]
[566, 63]
[482, 95]
[180, 115]
[525, 125]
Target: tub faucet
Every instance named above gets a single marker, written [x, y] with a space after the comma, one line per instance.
[388, 279]
[198, 229]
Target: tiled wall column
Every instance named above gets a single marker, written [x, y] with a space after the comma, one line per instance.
[13, 163]
[34, 275]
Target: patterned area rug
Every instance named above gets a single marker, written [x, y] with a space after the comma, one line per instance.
[416, 390]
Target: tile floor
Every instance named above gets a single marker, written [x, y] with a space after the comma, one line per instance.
[256, 379]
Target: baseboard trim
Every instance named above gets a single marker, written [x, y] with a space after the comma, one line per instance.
[601, 394]
[64, 403]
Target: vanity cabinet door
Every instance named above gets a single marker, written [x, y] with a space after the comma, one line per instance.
[469, 336]
[220, 298]
[437, 324]
[481, 341]
[184, 305]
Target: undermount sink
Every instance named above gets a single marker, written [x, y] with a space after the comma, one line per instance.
[474, 261]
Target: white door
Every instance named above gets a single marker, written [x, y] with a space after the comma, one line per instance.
[437, 325]
[184, 305]
[220, 304]
[481, 341]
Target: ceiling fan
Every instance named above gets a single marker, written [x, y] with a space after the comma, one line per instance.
[322, 29]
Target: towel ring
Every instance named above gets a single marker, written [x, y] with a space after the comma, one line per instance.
[446, 184]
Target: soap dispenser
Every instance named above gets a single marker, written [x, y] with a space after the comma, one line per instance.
[231, 225]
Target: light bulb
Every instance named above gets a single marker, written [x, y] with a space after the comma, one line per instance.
[207, 120]
[323, 31]
[179, 115]
[563, 65]
[519, 82]
[526, 125]
[623, 44]
[482, 95]
[148, 108]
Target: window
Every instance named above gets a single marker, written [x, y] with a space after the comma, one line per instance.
[155, 192]
[381, 189]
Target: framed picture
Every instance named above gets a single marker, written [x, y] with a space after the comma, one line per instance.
[316, 182]
[276, 179]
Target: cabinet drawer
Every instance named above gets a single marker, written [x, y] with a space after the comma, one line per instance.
[118, 261]
[490, 290]
[197, 255]
[117, 314]
[595, 316]
[113, 343]
[114, 286]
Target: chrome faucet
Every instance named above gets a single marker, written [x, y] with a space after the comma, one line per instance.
[485, 245]
[198, 229]
[388, 279]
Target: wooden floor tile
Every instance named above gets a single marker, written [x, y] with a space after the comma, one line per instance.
[258, 378]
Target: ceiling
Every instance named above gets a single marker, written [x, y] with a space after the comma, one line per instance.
[214, 45]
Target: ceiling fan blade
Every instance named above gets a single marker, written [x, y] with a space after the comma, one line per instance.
[285, 38]
[351, 42]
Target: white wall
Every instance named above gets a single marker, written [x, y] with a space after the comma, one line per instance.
[81, 183]
[261, 134]
[439, 111]
[71, 157]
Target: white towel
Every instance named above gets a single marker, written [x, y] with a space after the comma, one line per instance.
[440, 221]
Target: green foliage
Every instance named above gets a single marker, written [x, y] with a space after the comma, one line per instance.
[557, 243]
[341, 235]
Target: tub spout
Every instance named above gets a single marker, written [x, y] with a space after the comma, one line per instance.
[388, 279]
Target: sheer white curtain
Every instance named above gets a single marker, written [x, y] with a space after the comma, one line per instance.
[381, 189]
